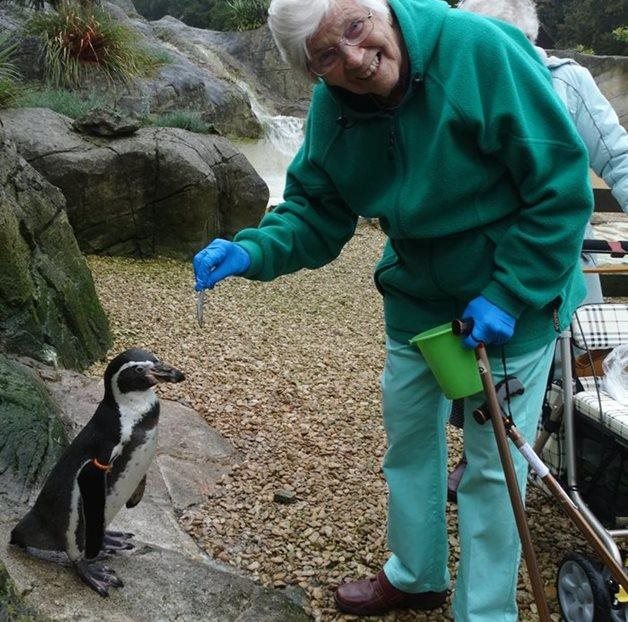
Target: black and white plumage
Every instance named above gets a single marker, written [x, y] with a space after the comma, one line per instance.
[103, 468]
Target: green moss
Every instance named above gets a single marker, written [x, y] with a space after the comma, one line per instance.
[33, 438]
[12, 608]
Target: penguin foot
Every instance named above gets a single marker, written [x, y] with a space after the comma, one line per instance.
[100, 578]
[114, 541]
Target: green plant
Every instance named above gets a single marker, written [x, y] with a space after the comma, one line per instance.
[68, 103]
[190, 120]
[82, 39]
[9, 75]
[247, 14]
[621, 34]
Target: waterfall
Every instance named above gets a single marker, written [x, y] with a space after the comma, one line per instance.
[271, 154]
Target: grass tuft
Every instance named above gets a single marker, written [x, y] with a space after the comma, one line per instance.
[190, 120]
[82, 40]
[9, 75]
[64, 102]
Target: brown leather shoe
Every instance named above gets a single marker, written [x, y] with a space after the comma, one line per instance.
[377, 595]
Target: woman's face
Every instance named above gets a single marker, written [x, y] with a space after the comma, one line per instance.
[374, 65]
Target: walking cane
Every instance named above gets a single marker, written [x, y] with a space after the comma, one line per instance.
[460, 327]
[505, 427]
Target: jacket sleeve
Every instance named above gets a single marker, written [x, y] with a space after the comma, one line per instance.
[307, 230]
[518, 119]
[597, 123]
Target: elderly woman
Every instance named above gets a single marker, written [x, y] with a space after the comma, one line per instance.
[443, 126]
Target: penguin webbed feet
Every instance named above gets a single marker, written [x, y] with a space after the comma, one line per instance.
[115, 541]
[99, 577]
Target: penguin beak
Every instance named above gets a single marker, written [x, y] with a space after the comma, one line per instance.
[165, 373]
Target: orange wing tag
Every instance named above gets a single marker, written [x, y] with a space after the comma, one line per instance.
[99, 465]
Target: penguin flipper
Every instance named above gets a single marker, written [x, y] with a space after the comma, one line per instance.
[137, 495]
[92, 481]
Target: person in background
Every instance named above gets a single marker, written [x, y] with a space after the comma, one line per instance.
[595, 119]
[443, 126]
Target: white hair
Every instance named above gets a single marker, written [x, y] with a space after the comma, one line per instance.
[293, 22]
[519, 13]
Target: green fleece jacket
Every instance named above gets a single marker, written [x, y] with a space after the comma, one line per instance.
[477, 177]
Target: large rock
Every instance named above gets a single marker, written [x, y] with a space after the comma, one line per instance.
[48, 304]
[162, 191]
[32, 435]
[251, 55]
[196, 82]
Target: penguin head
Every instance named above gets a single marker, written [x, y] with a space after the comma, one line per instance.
[138, 370]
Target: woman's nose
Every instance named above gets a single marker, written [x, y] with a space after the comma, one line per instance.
[352, 55]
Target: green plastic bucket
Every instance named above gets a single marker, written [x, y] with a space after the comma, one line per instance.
[453, 366]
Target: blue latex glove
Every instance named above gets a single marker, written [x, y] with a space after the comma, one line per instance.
[491, 325]
[217, 261]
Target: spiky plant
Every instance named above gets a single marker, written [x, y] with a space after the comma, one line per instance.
[79, 39]
[9, 75]
[247, 14]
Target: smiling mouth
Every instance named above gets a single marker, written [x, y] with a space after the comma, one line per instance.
[372, 68]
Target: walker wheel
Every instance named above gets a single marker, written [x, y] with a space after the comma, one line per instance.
[583, 592]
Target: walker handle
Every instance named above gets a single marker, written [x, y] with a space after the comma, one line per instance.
[462, 327]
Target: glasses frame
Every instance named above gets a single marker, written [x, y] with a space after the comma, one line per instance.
[368, 29]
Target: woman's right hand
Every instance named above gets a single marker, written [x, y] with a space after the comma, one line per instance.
[217, 261]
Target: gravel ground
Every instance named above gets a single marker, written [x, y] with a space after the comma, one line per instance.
[288, 371]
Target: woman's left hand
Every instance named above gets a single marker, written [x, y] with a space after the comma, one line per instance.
[491, 325]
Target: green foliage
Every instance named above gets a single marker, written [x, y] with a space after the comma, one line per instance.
[589, 24]
[247, 14]
[190, 120]
[621, 34]
[210, 14]
[9, 75]
[82, 40]
[68, 103]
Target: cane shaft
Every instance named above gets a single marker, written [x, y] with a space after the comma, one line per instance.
[511, 483]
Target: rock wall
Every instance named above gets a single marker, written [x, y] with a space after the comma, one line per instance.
[49, 309]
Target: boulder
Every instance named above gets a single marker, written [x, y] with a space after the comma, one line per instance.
[162, 191]
[48, 304]
[107, 123]
[251, 55]
[32, 435]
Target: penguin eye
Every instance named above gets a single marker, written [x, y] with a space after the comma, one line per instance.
[138, 369]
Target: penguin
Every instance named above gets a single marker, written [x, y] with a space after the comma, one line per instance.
[103, 469]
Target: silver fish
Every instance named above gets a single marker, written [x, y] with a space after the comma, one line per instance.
[200, 304]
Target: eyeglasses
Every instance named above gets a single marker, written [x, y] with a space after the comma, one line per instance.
[355, 31]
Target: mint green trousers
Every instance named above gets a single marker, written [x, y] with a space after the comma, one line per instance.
[415, 467]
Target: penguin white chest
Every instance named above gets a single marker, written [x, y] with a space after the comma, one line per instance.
[135, 451]
[134, 462]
